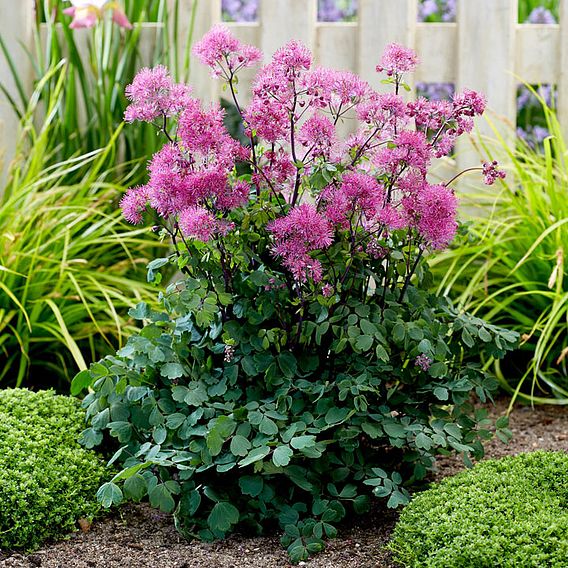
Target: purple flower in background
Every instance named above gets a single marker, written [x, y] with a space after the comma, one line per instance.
[526, 98]
[436, 91]
[444, 10]
[540, 15]
[426, 9]
[336, 10]
[449, 11]
[328, 10]
[240, 10]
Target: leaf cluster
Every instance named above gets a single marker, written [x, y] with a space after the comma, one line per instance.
[255, 408]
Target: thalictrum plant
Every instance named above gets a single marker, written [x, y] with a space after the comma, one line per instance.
[299, 365]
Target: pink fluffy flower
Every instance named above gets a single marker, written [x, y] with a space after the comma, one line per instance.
[153, 94]
[435, 210]
[133, 204]
[359, 194]
[491, 173]
[338, 89]
[267, 118]
[397, 59]
[220, 50]
[169, 187]
[233, 196]
[198, 223]
[385, 112]
[300, 232]
[292, 59]
[317, 134]
[411, 149]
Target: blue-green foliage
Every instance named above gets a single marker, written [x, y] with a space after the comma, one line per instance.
[47, 481]
[507, 513]
[229, 409]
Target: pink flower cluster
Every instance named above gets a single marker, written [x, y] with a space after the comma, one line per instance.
[297, 234]
[375, 181]
[224, 53]
[153, 94]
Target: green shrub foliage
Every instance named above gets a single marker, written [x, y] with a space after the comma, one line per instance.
[228, 415]
[504, 513]
[47, 481]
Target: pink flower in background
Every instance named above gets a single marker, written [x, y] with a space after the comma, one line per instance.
[224, 53]
[154, 94]
[86, 13]
[397, 60]
[491, 173]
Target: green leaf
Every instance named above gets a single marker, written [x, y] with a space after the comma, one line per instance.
[135, 488]
[172, 371]
[268, 426]
[301, 442]
[438, 370]
[256, 455]
[288, 364]
[161, 498]
[394, 430]
[240, 446]
[398, 332]
[364, 342]
[423, 441]
[251, 485]
[109, 494]
[282, 455]
[441, 393]
[484, 335]
[336, 415]
[396, 499]
[222, 517]
[80, 382]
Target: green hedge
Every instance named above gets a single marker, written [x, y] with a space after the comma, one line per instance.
[47, 481]
[509, 513]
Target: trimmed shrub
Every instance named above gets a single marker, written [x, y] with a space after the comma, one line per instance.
[505, 513]
[47, 481]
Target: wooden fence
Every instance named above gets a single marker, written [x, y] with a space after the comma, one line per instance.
[486, 49]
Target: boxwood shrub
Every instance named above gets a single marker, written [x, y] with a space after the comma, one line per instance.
[505, 513]
[47, 481]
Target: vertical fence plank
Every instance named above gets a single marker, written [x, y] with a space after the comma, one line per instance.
[486, 60]
[16, 29]
[283, 20]
[201, 15]
[382, 22]
[563, 78]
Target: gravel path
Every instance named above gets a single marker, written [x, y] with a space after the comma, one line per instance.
[139, 537]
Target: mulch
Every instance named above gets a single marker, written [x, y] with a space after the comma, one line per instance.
[139, 537]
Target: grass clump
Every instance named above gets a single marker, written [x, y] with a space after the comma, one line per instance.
[503, 513]
[47, 481]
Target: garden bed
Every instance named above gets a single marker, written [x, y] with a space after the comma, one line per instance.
[137, 536]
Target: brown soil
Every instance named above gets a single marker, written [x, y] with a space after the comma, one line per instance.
[139, 537]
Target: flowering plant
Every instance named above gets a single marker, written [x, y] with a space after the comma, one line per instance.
[300, 362]
[86, 13]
